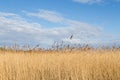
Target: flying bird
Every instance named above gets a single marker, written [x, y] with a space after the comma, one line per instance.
[71, 36]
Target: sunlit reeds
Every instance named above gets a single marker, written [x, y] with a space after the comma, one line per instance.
[83, 63]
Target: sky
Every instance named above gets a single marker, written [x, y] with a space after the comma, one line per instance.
[46, 21]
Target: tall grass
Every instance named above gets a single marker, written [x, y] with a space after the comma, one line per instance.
[60, 65]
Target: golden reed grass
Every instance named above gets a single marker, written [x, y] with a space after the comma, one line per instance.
[60, 65]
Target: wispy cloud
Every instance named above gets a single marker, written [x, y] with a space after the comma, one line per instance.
[89, 1]
[47, 15]
[71, 25]
[16, 29]
[96, 1]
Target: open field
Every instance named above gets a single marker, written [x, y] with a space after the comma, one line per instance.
[75, 65]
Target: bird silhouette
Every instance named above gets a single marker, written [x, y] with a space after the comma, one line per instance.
[71, 36]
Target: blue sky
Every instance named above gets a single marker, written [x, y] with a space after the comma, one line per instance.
[45, 21]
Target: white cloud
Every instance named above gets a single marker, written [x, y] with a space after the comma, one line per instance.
[89, 1]
[47, 15]
[105, 2]
[16, 29]
[72, 26]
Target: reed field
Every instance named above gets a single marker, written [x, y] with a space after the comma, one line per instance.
[60, 65]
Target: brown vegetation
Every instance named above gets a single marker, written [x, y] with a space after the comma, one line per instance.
[64, 64]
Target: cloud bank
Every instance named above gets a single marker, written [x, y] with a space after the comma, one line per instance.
[17, 29]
